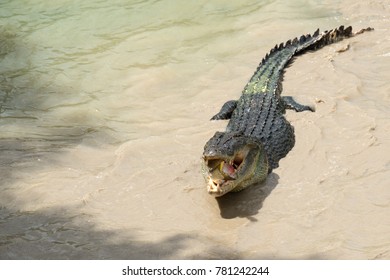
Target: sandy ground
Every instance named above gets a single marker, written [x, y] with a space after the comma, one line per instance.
[146, 198]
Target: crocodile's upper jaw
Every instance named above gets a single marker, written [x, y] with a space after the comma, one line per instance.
[233, 162]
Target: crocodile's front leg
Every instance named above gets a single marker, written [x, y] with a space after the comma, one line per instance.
[226, 111]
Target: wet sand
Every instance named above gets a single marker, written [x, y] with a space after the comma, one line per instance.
[112, 170]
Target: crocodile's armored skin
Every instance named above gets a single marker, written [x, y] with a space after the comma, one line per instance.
[258, 135]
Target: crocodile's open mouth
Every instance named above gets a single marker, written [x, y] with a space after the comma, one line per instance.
[232, 162]
[222, 172]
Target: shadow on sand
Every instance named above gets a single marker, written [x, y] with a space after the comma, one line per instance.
[68, 233]
[58, 233]
[247, 203]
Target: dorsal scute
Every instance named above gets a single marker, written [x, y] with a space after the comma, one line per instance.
[274, 49]
[348, 30]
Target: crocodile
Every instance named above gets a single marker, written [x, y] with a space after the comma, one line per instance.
[258, 134]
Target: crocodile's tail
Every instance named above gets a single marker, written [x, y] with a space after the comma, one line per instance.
[269, 71]
[317, 40]
[285, 51]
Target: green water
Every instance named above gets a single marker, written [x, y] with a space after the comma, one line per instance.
[73, 69]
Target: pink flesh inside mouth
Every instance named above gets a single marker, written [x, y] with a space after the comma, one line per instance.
[228, 169]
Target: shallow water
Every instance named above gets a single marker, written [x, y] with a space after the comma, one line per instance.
[104, 110]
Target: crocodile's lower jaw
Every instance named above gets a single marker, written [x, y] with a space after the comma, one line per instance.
[219, 188]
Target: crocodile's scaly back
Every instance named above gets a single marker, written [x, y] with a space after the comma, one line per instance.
[258, 117]
[260, 109]
[270, 70]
